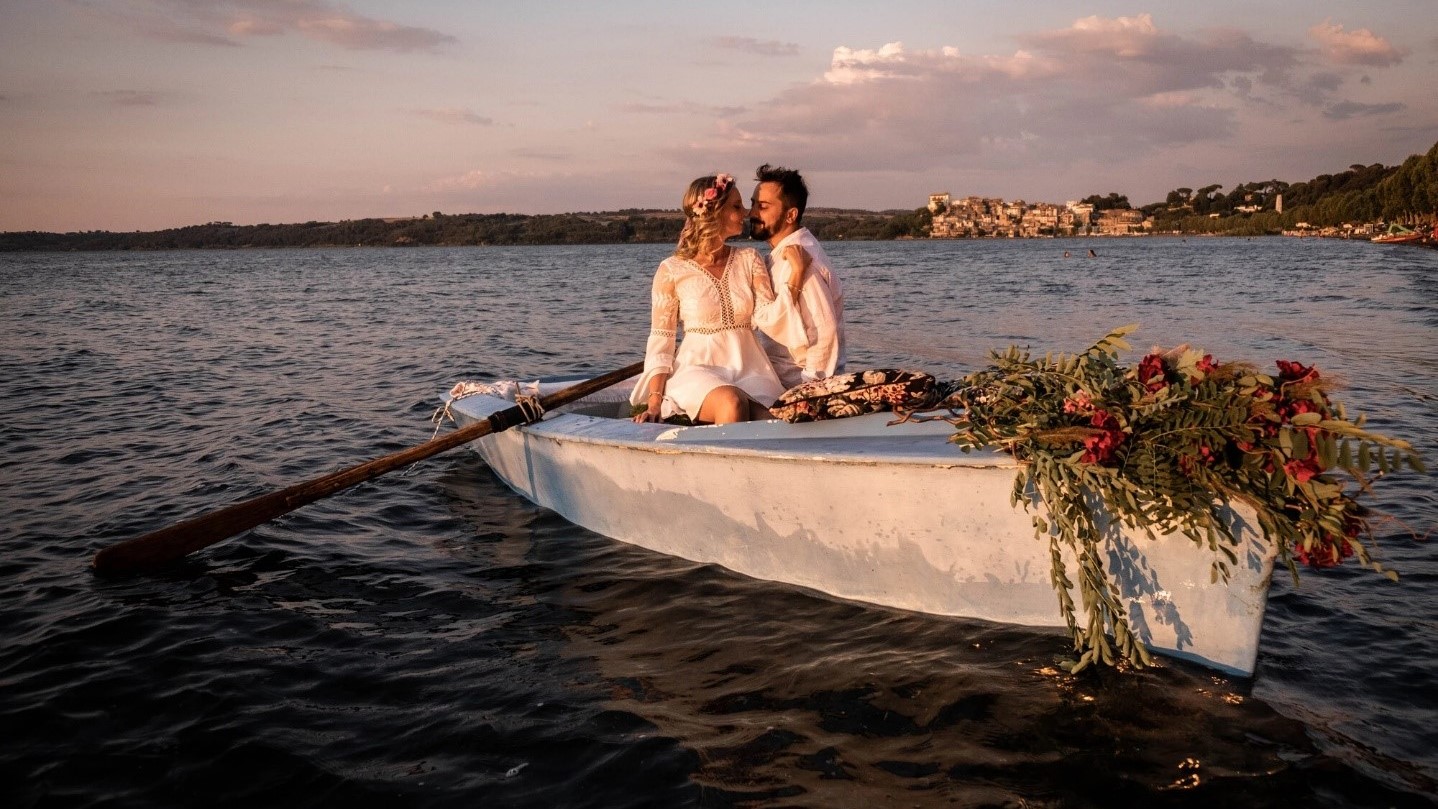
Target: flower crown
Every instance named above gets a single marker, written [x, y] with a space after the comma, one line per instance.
[714, 193]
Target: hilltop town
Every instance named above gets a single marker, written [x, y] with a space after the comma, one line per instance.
[978, 217]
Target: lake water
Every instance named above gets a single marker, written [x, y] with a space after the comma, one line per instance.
[429, 639]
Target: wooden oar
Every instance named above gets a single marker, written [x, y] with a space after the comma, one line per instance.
[168, 544]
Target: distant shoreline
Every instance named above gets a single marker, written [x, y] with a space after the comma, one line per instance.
[4, 248]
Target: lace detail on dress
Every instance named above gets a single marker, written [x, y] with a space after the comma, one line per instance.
[664, 304]
[727, 320]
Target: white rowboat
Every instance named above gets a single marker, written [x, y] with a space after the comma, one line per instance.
[855, 508]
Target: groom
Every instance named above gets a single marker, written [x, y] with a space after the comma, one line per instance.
[775, 215]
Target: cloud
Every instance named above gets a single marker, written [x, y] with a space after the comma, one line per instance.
[541, 154]
[170, 32]
[1357, 47]
[455, 115]
[685, 108]
[253, 27]
[361, 33]
[756, 47]
[130, 98]
[229, 22]
[1101, 91]
[468, 181]
[1343, 110]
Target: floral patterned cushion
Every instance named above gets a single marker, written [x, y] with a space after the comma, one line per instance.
[857, 393]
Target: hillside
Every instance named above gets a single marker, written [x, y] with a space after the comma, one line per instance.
[633, 226]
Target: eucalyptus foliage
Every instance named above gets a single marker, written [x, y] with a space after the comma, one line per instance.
[1167, 446]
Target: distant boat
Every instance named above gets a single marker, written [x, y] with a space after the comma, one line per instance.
[1398, 234]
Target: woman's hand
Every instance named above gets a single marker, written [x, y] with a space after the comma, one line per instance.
[652, 412]
[799, 259]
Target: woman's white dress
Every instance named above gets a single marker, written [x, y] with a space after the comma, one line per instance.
[718, 317]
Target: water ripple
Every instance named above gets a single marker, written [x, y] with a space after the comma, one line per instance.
[429, 639]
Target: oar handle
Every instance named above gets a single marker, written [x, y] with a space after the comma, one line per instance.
[168, 544]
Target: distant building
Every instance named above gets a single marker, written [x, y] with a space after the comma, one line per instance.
[1120, 222]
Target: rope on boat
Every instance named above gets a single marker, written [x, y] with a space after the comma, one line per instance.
[531, 407]
[524, 394]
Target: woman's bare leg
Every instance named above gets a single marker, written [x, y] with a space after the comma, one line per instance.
[724, 405]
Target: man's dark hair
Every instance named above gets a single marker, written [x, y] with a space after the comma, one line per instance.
[791, 186]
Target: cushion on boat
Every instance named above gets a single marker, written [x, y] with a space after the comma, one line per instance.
[857, 393]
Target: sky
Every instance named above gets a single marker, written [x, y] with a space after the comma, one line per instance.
[146, 114]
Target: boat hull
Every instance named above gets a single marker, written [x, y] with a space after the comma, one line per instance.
[893, 516]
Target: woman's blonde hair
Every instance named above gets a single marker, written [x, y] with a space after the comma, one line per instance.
[701, 215]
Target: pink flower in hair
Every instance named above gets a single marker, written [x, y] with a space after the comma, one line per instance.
[713, 193]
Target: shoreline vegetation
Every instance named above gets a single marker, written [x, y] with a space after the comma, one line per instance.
[1356, 203]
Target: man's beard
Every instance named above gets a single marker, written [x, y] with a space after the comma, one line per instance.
[759, 231]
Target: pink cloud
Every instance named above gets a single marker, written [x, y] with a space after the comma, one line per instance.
[1357, 47]
[222, 21]
[680, 108]
[250, 26]
[757, 47]
[355, 32]
[455, 115]
[468, 181]
[130, 98]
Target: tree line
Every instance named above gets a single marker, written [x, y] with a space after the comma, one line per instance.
[1405, 193]
[1373, 193]
[620, 227]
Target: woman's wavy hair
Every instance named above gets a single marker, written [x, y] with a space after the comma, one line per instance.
[701, 215]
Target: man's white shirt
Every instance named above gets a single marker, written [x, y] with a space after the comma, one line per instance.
[821, 307]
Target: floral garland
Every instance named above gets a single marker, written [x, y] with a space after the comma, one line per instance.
[1165, 446]
[714, 194]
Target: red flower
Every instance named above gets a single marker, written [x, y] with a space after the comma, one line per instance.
[1100, 448]
[1303, 470]
[1288, 410]
[1150, 372]
[1078, 403]
[1329, 553]
[1204, 367]
[1296, 372]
